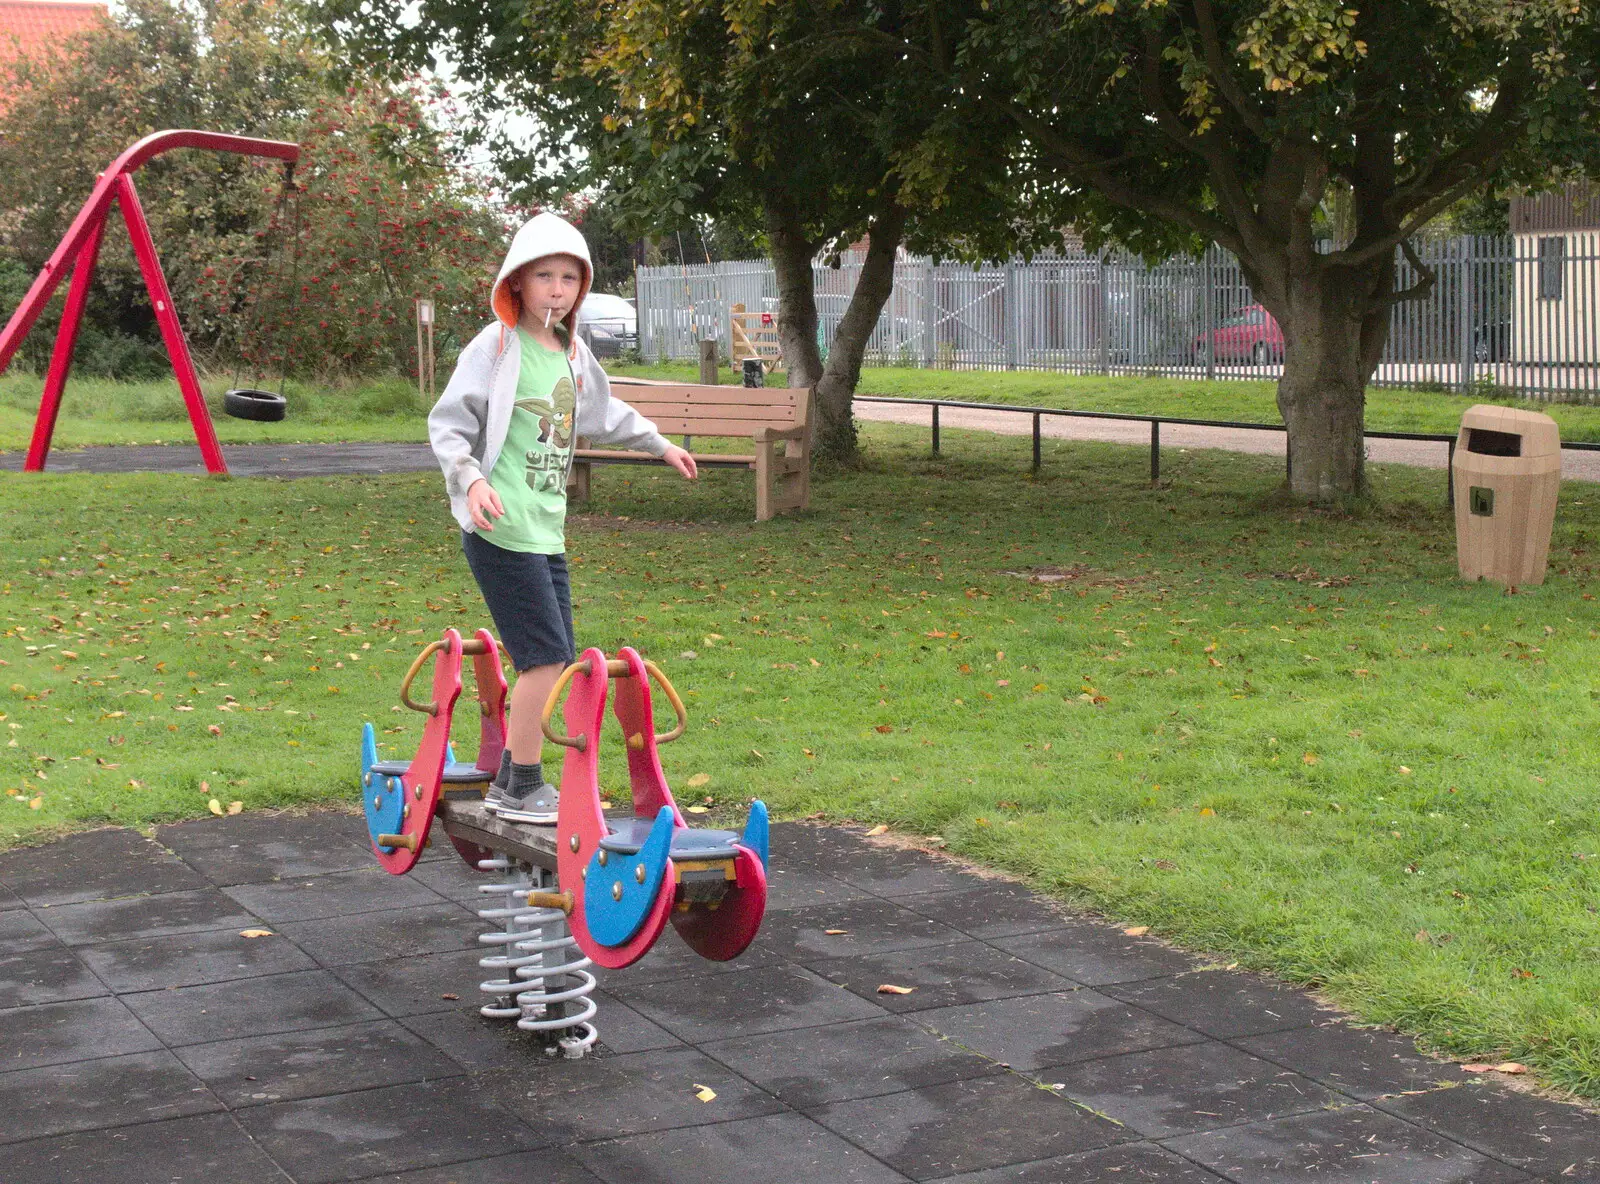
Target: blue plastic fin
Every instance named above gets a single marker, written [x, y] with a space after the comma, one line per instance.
[369, 748]
[619, 893]
[755, 831]
[382, 798]
[449, 754]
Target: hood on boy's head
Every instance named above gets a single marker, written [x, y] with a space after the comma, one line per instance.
[545, 234]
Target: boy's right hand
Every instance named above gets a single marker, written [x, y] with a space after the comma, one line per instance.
[483, 503]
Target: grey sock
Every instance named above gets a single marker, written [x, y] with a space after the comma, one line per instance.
[503, 777]
[526, 779]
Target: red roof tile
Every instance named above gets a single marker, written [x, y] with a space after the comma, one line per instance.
[28, 24]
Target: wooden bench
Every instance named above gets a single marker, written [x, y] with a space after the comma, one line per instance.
[776, 419]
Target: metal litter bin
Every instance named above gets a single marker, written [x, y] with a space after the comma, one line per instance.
[1507, 472]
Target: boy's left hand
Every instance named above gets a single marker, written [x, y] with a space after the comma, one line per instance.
[680, 460]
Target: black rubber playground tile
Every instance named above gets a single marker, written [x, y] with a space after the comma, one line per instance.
[671, 957]
[743, 1004]
[1363, 1063]
[1196, 1087]
[398, 933]
[188, 959]
[337, 894]
[1547, 1139]
[548, 1166]
[966, 1126]
[1354, 1144]
[1129, 1163]
[416, 985]
[205, 1149]
[250, 1007]
[45, 974]
[90, 1095]
[778, 1149]
[478, 1044]
[94, 866]
[801, 887]
[609, 1097]
[1222, 1003]
[396, 1129]
[56, 1033]
[20, 930]
[263, 1069]
[9, 900]
[886, 871]
[254, 848]
[1095, 954]
[989, 910]
[146, 916]
[850, 928]
[940, 976]
[837, 1062]
[1041, 1031]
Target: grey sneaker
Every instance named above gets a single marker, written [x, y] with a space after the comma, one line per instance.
[538, 805]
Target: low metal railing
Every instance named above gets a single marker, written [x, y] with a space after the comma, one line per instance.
[1155, 422]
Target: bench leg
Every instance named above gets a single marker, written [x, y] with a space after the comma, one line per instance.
[578, 481]
[764, 466]
[783, 479]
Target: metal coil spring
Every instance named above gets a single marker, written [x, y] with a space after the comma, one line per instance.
[541, 986]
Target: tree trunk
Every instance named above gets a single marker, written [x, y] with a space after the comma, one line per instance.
[1334, 336]
[836, 424]
[792, 253]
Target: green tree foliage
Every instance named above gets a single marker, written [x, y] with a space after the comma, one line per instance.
[1164, 123]
[386, 210]
[813, 119]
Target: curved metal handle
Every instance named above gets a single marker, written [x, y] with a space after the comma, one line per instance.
[580, 741]
[615, 668]
[428, 651]
[654, 672]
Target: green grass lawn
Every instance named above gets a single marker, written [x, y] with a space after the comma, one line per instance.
[1293, 740]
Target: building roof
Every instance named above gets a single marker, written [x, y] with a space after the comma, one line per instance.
[1575, 206]
[26, 25]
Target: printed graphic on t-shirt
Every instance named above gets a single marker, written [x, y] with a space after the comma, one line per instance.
[549, 462]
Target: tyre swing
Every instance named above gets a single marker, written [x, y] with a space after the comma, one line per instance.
[256, 403]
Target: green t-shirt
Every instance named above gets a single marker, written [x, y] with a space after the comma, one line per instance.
[530, 474]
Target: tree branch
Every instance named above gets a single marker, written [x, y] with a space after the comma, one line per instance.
[1077, 160]
[1216, 62]
[1417, 291]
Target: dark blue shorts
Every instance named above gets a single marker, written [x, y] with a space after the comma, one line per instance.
[529, 598]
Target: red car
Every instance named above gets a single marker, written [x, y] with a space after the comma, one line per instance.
[1249, 335]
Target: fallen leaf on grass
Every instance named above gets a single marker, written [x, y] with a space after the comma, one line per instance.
[1504, 1067]
[214, 729]
[880, 829]
[698, 780]
[704, 1092]
[215, 807]
[884, 728]
[235, 807]
[1137, 931]
[836, 932]
[694, 809]
[891, 989]
[1310, 758]
[255, 933]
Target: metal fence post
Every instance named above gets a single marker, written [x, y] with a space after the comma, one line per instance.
[1105, 319]
[1208, 313]
[1013, 315]
[1465, 318]
[930, 325]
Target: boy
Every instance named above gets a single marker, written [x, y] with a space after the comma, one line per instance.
[504, 430]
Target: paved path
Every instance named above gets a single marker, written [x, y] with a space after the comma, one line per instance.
[144, 1038]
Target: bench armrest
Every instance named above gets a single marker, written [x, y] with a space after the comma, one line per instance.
[764, 435]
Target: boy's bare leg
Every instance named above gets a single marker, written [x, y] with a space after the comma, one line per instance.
[528, 698]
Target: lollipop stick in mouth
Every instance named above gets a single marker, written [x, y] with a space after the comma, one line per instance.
[547, 313]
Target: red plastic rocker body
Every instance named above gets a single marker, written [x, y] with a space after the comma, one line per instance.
[626, 878]
[401, 797]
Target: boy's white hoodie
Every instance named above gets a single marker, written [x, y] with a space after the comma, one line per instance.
[467, 426]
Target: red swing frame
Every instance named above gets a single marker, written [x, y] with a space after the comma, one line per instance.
[80, 248]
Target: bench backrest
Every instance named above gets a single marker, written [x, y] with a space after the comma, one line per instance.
[692, 409]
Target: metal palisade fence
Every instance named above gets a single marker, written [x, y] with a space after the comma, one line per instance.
[1520, 313]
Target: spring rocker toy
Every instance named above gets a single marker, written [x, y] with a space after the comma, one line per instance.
[591, 889]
